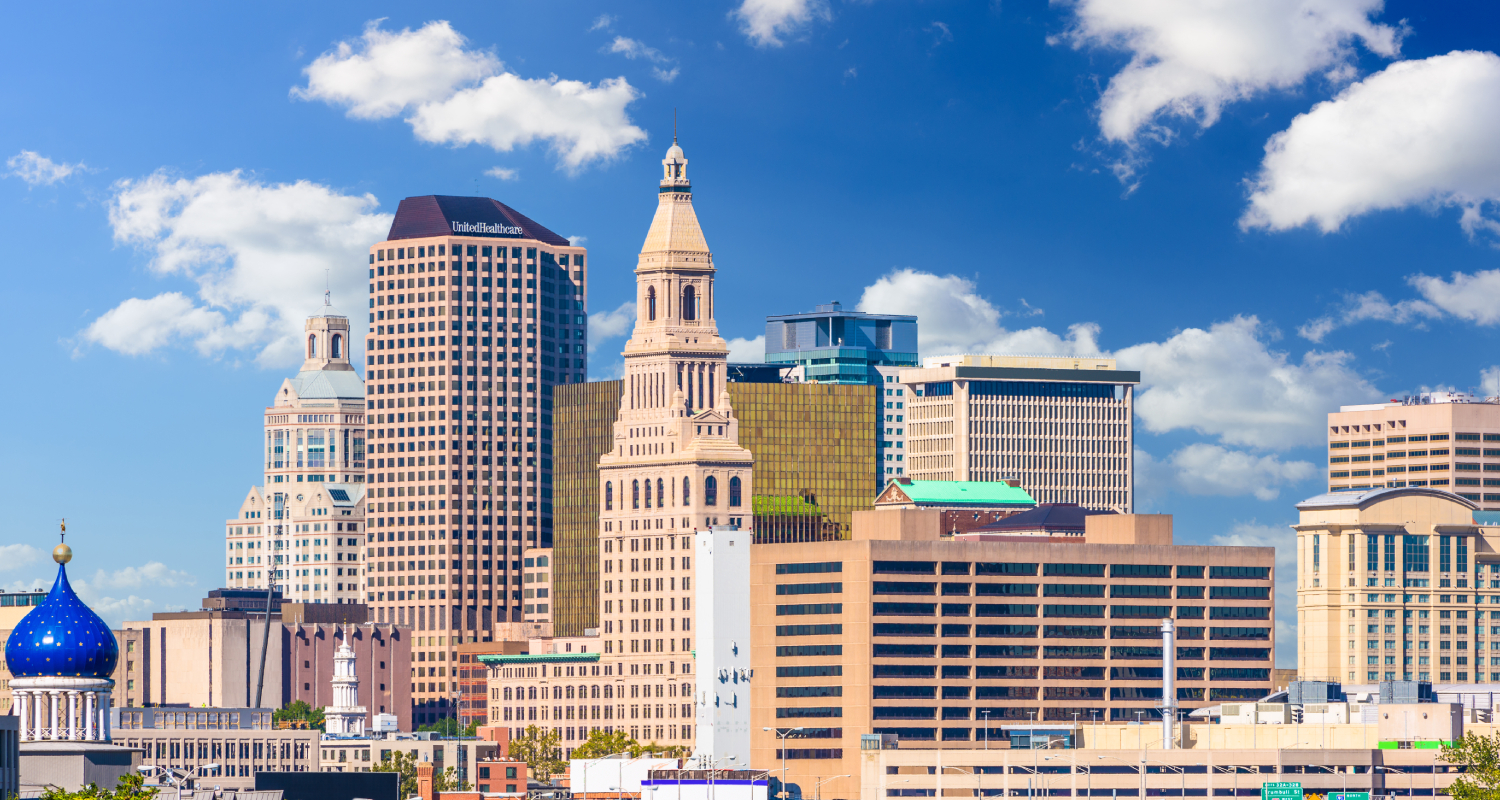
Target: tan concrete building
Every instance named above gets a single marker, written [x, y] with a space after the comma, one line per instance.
[536, 594]
[942, 642]
[302, 531]
[1062, 426]
[1396, 584]
[1447, 440]
[241, 740]
[476, 312]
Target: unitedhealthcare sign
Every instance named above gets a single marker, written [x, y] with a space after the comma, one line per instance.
[486, 229]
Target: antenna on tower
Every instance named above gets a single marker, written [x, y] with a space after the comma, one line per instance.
[327, 289]
[674, 125]
[62, 534]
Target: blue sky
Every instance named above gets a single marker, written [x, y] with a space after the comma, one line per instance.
[1270, 208]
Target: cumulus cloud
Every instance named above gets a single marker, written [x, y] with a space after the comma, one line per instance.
[955, 318]
[1418, 133]
[1226, 382]
[1191, 58]
[1475, 298]
[153, 573]
[603, 22]
[459, 96]
[1208, 469]
[748, 351]
[16, 556]
[605, 325]
[503, 173]
[1284, 539]
[259, 254]
[1489, 381]
[132, 592]
[38, 170]
[633, 49]
[1358, 308]
[766, 22]
[577, 241]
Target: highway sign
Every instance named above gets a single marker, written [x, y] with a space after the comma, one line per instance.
[1291, 790]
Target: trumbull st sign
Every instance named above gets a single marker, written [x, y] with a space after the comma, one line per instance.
[487, 229]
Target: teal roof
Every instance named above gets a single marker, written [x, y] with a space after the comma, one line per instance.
[971, 492]
[541, 658]
[1487, 519]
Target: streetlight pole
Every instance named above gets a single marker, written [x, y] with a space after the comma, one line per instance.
[818, 787]
[783, 733]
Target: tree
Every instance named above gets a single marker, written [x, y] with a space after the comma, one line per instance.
[299, 711]
[1480, 755]
[538, 747]
[130, 787]
[406, 765]
[601, 744]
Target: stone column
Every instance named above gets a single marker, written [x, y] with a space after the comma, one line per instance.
[74, 723]
[90, 715]
[22, 707]
[55, 699]
[104, 706]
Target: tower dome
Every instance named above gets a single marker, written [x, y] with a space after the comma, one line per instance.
[62, 637]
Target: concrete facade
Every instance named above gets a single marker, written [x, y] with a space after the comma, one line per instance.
[723, 653]
[942, 641]
[1064, 427]
[1443, 440]
[1396, 584]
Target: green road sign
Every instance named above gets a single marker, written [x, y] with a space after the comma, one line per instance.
[1282, 791]
[1348, 796]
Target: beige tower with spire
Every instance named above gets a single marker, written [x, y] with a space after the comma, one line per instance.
[676, 467]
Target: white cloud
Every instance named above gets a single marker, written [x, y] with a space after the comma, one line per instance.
[605, 325]
[38, 170]
[123, 594]
[577, 241]
[1475, 298]
[1190, 58]
[1367, 306]
[258, 253]
[748, 351]
[941, 33]
[383, 72]
[1208, 469]
[1489, 381]
[1281, 537]
[458, 96]
[852, 72]
[603, 22]
[1227, 383]
[767, 21]
[503, 173]
[153, 573]
[633, 49]
[954, 318]
[16, 556]
[1418, 133]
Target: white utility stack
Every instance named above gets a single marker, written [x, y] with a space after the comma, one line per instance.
[723, 647]
[1168, 676]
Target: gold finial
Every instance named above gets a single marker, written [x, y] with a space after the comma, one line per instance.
[62, 553]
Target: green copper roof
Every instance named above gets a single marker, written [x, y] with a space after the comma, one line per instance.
[987, 492]
[542, 658]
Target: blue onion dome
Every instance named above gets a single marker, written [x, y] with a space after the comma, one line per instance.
[62, 637]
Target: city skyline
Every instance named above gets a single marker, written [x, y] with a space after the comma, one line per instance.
[1073, 214]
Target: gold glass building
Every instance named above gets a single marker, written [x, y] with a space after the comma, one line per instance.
[814, 448]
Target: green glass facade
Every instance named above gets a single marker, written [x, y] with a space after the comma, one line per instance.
[814, 448]
[584, 423]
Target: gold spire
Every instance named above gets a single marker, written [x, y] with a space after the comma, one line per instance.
[62, 553]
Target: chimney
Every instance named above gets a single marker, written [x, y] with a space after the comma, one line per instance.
[424, 780]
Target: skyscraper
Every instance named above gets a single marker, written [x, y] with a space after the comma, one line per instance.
[476, 312]
[302, 531]
[1430, 439]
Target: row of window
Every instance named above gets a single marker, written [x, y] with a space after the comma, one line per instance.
[1030, 631]
[1069, 569]
[710, 493]
[1051, 652]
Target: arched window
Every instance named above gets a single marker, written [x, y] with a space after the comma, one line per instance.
[312, 346]
[609, 495]
[734, 492]
[648, 493]
[507, 693]
[687, 492]
[635, 494]
[710, 491]
[570, 693]
[596, 692]
[651, 303]
[689, 304]
[661, 493]
[337, 348]
[609, 692]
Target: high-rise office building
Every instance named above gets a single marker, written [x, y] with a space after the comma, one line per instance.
[1450, 440]
[303, 530]
[946, 641]
[476, 313]
[1063, 426]
[831, 345]
[814, 451]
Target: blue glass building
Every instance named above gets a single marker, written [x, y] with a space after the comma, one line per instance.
[837, 346]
